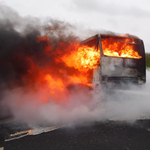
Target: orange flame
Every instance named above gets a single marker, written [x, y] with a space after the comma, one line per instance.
[83, 59]
[67, 63]
[119, 49]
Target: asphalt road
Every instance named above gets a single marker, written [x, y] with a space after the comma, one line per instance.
[110, 135]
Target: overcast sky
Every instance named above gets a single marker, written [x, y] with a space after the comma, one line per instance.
[126, 16]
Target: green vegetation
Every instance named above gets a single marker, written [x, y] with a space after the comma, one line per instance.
[147, 60]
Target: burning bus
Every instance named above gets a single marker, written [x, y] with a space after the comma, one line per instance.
[122, 59]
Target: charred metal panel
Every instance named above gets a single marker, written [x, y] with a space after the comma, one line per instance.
[118, 67]
[96, 76]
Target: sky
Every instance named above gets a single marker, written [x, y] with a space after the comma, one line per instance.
[126, 16]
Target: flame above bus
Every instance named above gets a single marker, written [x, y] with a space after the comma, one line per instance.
[119, 49]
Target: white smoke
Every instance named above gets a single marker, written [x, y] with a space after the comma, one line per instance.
[82, 106]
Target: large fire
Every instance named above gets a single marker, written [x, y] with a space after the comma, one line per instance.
[83, 59]
[69, 63]
[119, 49]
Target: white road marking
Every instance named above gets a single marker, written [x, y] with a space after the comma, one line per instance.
[47, 129]
[32, 132]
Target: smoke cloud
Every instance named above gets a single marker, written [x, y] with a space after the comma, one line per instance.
[83, 105]
[26, 96]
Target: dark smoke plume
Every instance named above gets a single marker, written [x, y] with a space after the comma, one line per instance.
[17, 46]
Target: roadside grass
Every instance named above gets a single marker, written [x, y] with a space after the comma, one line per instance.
[147, 60]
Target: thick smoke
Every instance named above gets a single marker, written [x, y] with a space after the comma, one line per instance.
[22, 91]
[83, 105]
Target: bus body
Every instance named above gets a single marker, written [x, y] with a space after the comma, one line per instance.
[118, 69]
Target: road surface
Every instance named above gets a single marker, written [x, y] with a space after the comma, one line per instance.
[109, 135]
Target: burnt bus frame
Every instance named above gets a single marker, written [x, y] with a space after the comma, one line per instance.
[141, 63]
